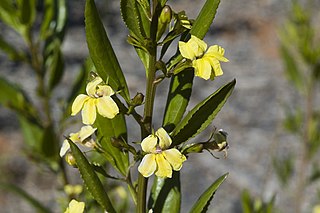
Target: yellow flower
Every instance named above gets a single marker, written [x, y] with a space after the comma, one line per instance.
[206, 64]
[159, 159]
[83, 137]
[75, 207]
[99, 97]
[316, 209]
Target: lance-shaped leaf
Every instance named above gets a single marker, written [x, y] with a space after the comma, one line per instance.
[131, 17]
[101, 51]
[166, 194]
[181, 84]
[26, 11]
[38, 207]
[202, 114]
[204, 200]
[91, 179]
[113, 128]
[178, 98]
[205, 18]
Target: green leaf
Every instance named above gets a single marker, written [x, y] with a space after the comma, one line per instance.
[8, 14]
[130, 16]
[201, 116]
[178, 98]
[205, 18]
[292, 68]
[38, 207]
[46, 29]
[116, 128]
[101, 51]
[27, 11]
[54, 62]
[91, 179]
[166, 194]
[204, 200]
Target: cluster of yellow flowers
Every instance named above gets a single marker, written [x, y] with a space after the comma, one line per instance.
[206, 64]
[159, 159]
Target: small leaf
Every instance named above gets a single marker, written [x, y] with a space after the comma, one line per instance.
[202, 114]
[91, 179]
[204, 200]
[101, 51]
[116, 128]
[166, 194]
[38, 207]
[27, 11]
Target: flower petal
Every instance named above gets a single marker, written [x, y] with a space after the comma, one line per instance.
[105, 90]
[75, 137]
[202, 68]
[78, 103]
[164, 168]
[107, 107]
[217, 71]
[75, 207]
[175, 158]
[185, 50]
[200, 44]
[89, 111]
[148, 165]
[92, 86]
[164, 138]
[149, 144]
[64, 148]
[85, 132]
[217, 52]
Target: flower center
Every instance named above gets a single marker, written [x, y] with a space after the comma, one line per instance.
[158, 149]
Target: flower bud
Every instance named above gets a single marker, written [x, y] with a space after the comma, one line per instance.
[193, 148]
[71, 160]
[164, 20]
[138, 99]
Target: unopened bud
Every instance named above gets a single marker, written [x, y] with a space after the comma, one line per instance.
[193, 148]
[71, 160]
[138, 99]
[164, 20]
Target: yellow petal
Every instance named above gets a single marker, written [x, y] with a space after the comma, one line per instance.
[185, 50]
[89, 111]
[149, 144]
[85, 132]
[75, 207]
[216, 52]
[75, 137]
[64, 148]
[92, 86]
[175, 158]
[163, 167]
[200, 45]
[217, 71]
[164, 138]
[105, 90]
[148, 165]
[202, 68]
[78, 103]
[107, 107]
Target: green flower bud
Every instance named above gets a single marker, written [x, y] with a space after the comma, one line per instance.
[164, 20]
[193, 148]
[138, 99]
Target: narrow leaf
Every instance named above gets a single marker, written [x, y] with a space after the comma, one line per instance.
[205, 18]
[204, 200]
[178, 98]
[130, 16]
[101, 51]
[27, 11]
[116, 128]
[91, 179]
[11, 51]
[38, 207]
[202, 114]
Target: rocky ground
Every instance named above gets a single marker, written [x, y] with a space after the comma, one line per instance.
[247, 29]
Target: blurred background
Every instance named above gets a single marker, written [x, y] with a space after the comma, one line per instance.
[264, 117]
